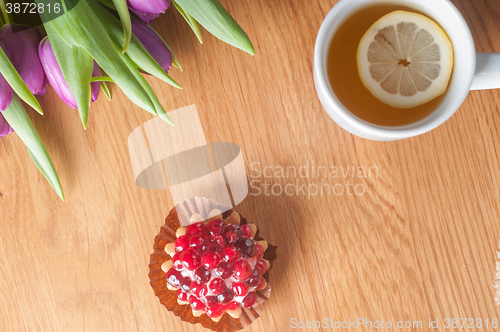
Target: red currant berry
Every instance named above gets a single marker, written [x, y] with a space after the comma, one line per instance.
[210, 245]
[183, 296]
[233, 305]
[259, 251]
[199, 290]
[190, 260]
[230, 254]
[211, 260]
[247, 231]
[196, 241]
[196, 304]
[217, 286]
[216, 227]
[237, 230]
[195, 229]
[220, 241]
[215, 311]
[253, 280]
[261, 266]
[211, 300]
[182, 243]
[174, 277]
[226, 296]
[242, 270]
[224, 270]
[185, 284]
[202, 275]
[246, 247]
[249, 300]
[230, 237]
[177, 262]
[240, 288]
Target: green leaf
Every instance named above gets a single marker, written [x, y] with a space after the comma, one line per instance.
[190, 21]
[101, 79]
[160, 111]
[16, 82]
[136, 51]
[19, 120]
[122, 9]
[76, 66]
[40, 167]
[109, 4]
[105, 88]
[213, 17]
[7, 16]
[81, 27]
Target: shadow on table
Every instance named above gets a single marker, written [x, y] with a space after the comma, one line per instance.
[281, 221]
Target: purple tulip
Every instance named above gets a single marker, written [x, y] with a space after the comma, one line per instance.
[5, 128]
[56, 78]
[20, 44]
[148, 10]
[153, 44]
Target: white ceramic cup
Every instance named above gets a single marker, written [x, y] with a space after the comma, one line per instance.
[471, 71]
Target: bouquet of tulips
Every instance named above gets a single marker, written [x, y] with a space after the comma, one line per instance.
[84, 44]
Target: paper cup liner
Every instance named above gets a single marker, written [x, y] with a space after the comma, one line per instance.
[169, 298]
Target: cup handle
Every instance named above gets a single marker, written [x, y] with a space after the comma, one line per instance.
[487, 71]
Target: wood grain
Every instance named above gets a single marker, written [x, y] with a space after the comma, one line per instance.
[419, 244]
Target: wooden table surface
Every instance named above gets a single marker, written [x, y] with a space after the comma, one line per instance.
[416, 242]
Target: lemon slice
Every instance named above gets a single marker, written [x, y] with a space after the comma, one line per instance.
[405, 59]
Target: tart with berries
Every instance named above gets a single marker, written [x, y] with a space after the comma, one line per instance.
[214, 272]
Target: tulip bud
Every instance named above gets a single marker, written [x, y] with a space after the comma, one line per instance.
[5, 128]
[153, 44]
[148, 10]
[20, 44]
[56, 78]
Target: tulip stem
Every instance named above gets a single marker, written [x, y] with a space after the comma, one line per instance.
[101, 79]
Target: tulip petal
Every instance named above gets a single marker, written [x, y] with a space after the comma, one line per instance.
[153, 44]
[95, 86]
[213, 17]
[16, 82]
[54, 72]
[147, 18]
[149, 6]
[20, 43]
[5, 128]
[175, 62]
[19, 120]
[5, 94]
